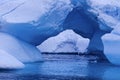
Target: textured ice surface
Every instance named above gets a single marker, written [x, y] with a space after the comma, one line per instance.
[34, 21]
[67, 41]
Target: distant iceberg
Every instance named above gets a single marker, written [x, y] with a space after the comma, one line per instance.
[111, 47]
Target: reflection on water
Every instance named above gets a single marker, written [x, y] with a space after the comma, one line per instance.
[64, 70]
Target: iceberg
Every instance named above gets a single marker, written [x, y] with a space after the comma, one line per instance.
[48, 18]
[67, 41]
[25, 24]
[111, 47]
[7, 61]
[21, 50]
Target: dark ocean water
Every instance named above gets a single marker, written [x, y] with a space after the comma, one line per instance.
[64, 67]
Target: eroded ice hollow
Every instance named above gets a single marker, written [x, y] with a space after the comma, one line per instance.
[25, 24]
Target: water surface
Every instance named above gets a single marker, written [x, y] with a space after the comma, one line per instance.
[60, 67]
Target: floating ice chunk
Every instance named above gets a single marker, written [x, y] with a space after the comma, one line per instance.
[22, 51]
[7, 61]
[111, 47]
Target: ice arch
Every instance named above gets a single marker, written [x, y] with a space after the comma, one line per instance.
[26, 21]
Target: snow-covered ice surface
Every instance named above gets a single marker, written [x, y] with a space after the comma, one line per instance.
[26, 23]
[33, 10]
[22, 51]
[7, 61]
[66, 41]
[108, 12]
[39, 19]
[7, 6]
